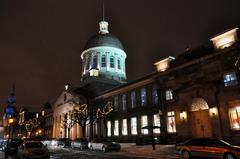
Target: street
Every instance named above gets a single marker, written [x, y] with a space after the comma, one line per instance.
[127, 152]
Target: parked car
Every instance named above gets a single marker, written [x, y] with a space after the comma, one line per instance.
[47, 142]
[80, 143]
[62, 142]
[11, 147]
[3, 143]
[32, 149]
[103, 145]
[207, 147]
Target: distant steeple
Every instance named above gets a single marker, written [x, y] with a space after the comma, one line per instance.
[103, 25]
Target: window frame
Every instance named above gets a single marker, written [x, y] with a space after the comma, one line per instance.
[112, 63]
[133, 125]
[171, 115]
[103, 60]
[232, 80]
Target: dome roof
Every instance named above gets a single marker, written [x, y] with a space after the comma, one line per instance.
[104, 40]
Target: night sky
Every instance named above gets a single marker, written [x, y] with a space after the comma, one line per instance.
[41, 40]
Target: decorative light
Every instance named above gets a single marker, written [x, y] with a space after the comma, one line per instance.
[10, 120]
[183, 115]
[31, 123]
[226, 39]
[36, 115]
[164, 64]
[105, 111]
[66, 87]
[213, 111]
[43, 113]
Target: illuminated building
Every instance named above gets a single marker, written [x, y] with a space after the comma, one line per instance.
[195, 94]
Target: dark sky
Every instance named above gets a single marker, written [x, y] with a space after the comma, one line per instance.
[41, 40]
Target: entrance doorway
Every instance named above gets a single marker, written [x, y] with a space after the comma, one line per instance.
[200, 120]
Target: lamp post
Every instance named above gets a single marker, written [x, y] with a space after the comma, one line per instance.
[10, 122]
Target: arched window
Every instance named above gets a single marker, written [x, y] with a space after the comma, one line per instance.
[112, 61]
[103, 61]
[199, 104]
[95, 60]
[119, 63]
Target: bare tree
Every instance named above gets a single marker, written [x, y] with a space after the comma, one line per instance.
[104, 114]
[80, 115]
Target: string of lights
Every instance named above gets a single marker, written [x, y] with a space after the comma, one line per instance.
[105, 111]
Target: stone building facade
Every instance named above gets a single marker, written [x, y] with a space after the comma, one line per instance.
[196, 94]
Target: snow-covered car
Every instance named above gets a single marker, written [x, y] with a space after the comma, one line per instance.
[103, 145]
[32, 149]
[80, 143]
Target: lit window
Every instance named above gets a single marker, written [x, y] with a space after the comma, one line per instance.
[124, 127]
[133, 99]
[112, 61]
[116, 103]
[234, 115]
[171, 124]
[156, 122]
[95, 59]
[124, 102]
[119, 64]
[143, 97]
[144, 122]
[103, 60]
[134, 126]
[154, 95]
[230, 79]
[116, 128]
[109, 128]
[169, 95]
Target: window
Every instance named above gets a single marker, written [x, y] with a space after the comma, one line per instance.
[234, 115]
[109, 128]
[156, 122]
[112, 61]
[144, 122]
[171, 124]
[154, 95]
[103, 60]
[119, 64]
[169, 95]
[116, 103]
[88, 59]
[133, 99]
[143, 97]
[124, 102]
[95, 60]
[116, 128]
[134, 126]
[124, 127]
[230, 79]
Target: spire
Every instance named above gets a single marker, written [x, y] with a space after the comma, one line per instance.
[103, 25]
[103, 11]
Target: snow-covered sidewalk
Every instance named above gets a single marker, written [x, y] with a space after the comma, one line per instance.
[146, 151]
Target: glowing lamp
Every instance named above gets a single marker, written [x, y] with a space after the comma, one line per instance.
[94, 72]
[66, 87]
[225, 40]
[183, 115]
[213, 111]
[164, 64]
[10, 120]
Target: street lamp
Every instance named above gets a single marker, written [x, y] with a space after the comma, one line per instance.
[10, 122]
